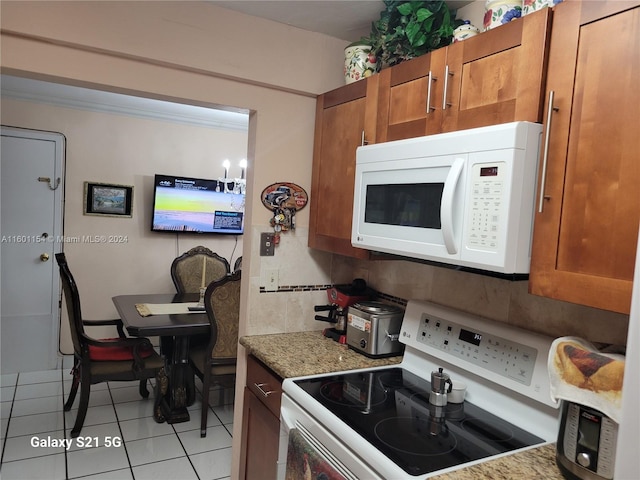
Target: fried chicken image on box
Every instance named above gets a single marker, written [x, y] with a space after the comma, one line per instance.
[588, 370]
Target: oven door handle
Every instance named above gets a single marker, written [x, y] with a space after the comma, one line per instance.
[447, 205]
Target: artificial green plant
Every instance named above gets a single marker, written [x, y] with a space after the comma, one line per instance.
[409, 29]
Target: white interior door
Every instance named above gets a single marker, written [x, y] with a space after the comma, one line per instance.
[31, 228]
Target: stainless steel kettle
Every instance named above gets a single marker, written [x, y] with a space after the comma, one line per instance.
[441, 385]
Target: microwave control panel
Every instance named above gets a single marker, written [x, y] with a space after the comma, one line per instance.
[486, 205]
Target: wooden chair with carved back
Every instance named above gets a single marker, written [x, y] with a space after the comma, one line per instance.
[187, 269]
[215, 362]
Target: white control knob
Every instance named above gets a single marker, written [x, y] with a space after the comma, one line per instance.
[584, 459]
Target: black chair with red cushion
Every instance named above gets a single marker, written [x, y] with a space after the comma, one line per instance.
[109, 359]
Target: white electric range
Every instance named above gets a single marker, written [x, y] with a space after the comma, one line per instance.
[379, 423]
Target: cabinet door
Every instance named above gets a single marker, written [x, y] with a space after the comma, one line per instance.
[497, 76]
[264, 385]
[585, 234]
[345, 117]
[410, 97]
[261, 431]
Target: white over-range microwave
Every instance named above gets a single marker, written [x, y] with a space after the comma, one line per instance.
[462, 198]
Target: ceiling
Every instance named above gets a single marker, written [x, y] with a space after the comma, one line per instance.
[348, 20]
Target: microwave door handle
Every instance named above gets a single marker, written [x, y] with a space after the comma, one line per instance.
[446, 208]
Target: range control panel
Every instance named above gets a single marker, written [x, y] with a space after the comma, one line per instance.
[504, 357]
[490, 356]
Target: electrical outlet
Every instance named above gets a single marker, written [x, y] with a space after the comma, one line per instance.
[270, 278]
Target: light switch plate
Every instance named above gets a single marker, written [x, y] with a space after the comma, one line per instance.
[267, 247]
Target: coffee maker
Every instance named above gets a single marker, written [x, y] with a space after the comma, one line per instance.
[340, 298]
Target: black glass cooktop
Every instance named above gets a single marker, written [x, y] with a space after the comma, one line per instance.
[390, 408]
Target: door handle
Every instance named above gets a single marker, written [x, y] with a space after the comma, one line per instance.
[44, 257]
[447, 73]
[545, 154]
[447, 205]
[430, 80]
[47, 180]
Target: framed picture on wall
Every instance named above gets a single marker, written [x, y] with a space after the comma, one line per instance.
[108, 200]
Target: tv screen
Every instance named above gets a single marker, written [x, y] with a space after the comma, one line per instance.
[197, 205]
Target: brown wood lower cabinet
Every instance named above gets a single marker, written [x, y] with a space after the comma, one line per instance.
[260, 422]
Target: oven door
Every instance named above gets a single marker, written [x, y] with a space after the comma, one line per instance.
[306, 447]
[410, 207]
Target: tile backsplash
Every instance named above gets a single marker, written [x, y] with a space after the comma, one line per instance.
[502, 300]
[304, 275]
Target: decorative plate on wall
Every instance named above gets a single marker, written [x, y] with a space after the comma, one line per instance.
[284, 195]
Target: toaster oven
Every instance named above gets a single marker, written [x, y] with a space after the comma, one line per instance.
[373, 329]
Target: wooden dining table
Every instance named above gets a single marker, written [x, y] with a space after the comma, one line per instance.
[175, 388]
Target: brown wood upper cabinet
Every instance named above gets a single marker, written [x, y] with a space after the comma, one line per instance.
[345, 119]
[586, 227]
[493, 78]
[496, 77]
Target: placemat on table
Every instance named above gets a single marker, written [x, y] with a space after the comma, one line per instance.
[146, 309]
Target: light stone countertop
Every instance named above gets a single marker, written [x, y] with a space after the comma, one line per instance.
[309, 353]
[533, 464]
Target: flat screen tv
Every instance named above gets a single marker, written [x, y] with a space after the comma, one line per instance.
[197, 205]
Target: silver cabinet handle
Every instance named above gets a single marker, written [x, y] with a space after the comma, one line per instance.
[430, 79]
[363, 142]
[262, 391]
[447, 74]
[545, 155]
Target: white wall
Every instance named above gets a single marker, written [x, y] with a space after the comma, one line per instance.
[474, 12]
[120, 149]
[125, 47]
[194, 35]
[195, 53]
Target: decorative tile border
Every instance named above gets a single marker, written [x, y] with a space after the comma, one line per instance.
[316, 288]
[391, 299]
[296, 288]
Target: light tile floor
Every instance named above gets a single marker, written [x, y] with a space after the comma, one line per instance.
[141, 448]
